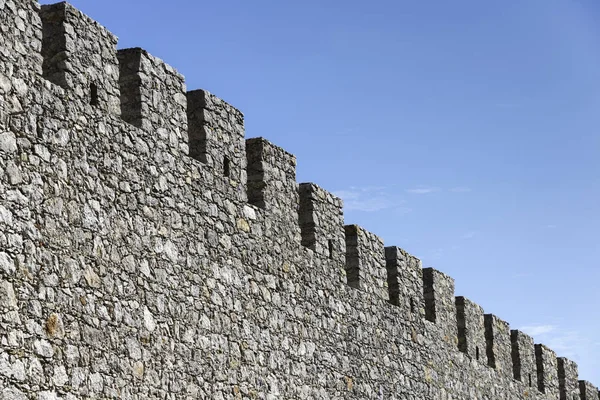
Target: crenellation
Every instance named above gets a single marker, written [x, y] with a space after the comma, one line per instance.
[365, 261]
[440, 305]
[322, 225]
[216, 136]
[80, 56]
[405, 282]
[547, 370]
[568, 383]
[153, 97]
[588, 391]
[272, 184]
[471, 329]
[148, 251]
[523, 358]
[498, 344]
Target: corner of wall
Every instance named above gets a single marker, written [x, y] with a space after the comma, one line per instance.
[272, 184]
[365, 261]
[568, 384]
[523, 358]
[498, 340]
[153, 97]
[547, 370]
[440, 305]
[80, 55]
[405, 282]
[216, 136]
[471, 329]
[321, 221]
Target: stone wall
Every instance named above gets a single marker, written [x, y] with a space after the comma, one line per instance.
[132, 266]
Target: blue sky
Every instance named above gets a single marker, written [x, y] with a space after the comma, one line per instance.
[466, 132]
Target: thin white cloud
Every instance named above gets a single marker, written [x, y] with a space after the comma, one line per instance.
[437, 254]
[371, 199]
[423, 190]
[566, 343]
[551, 226]
[469, 235]
[536, 330]
[461, 189]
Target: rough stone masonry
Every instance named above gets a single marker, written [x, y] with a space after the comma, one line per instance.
[148, 250]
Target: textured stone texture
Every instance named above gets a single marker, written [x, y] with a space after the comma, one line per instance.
[440, 303]
[588, 391]
[523, 358]
[471, 329]
[547, 370]
[153, 97]
[80, 55]
[130, 270]
[365, 261]
[405, 283]
[216, 136]
[499, 352]
[567, 379]
[322, 225]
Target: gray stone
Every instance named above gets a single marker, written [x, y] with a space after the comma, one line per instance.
[48, 396]
[8, 142]
[148, 250]
[149, 321]
[8, 299]
[43, 348]
[60, 377]
[6, 263]
[12, 394]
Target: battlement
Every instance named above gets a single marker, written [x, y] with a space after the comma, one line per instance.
[405, 282]
[81, 56]
[147, 249]
[322, 225]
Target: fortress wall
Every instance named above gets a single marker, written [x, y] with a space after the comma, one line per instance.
[80, 55]
[567, 379]
[272, 187]
[471, 329]
[588, 391]
[365, 262]
[547, 370]
[129, 269]
[20, 54]
[153, 97]
[216, 137]
[440, 307]
[405, 283]
[499, 352]
[523, 358]
[322, 225]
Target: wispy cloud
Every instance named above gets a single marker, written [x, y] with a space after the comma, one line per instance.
[566, 343]
[535, 330]
[461, 189]
[423, 190]
[551, 226]
[469, 235]
[371, 199]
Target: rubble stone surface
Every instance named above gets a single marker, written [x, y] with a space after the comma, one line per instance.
[149, 251]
